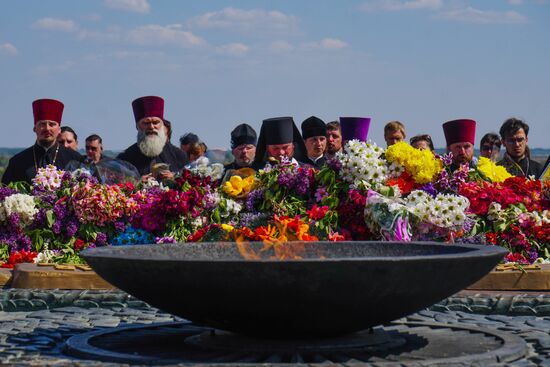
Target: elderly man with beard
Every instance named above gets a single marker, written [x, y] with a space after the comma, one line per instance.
[47, 120]
[152, 147]
[243, 146]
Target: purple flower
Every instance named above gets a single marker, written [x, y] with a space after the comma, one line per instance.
[101, 239]
[286, 179]
[321, 193]
[401, 229]
[5, 192]
[334, 164]
[430, 189]
[533, 256]
[60, 211]
[56, 228]
[253, 196]
[120, 226]
[301, 183]
[71, 228]
[166, 239]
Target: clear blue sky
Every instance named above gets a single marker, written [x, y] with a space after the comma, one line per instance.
[220, 63]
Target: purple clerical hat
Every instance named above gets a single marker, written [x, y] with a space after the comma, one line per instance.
[355, 128]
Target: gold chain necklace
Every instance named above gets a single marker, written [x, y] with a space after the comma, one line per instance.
[34, 156]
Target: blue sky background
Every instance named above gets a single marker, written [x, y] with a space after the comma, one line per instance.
[220, 63]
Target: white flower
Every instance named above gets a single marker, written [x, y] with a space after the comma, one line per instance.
[22, 205]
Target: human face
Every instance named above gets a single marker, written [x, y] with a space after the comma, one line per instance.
[150, 125]
[93, 150]
[47, 132]
[334, 141]
[394, 137]
[489, 150]
[463, 152]
[278, 151]
[421, 144]
[244, 154]
[67, 139]
[315, 146]
[516, 144]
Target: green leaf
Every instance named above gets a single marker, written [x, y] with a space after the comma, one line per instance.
[50, 218]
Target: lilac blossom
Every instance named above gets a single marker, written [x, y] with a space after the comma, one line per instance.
[320, 193]
[5, 192]
[253, 196]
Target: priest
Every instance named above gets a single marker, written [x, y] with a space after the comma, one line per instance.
[243, 146]
[314, 133]
[460, 136]
[279, 139]
[46, 150]
[152, 149]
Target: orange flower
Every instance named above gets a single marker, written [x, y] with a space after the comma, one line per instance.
[265, 233]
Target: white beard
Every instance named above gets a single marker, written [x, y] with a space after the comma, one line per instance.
[151, 145]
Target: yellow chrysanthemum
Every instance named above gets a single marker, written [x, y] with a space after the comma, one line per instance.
[492, 171]
[421, 164]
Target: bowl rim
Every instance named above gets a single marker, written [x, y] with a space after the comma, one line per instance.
[474, 251]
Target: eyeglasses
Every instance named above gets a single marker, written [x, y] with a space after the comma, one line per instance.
[515, 140]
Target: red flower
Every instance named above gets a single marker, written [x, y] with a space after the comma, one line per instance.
[405, 182]
[79, 244]
[491, 237]
[317, 213]
[19, 257]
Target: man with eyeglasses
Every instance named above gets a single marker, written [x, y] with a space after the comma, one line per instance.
[243, 146]
[516, 159]
[94, 148]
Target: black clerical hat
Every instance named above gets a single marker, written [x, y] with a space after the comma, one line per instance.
[313, 126]
[243, 134]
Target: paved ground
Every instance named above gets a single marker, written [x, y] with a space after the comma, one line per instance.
[35, 324]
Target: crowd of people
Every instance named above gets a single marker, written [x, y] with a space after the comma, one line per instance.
[154, 155]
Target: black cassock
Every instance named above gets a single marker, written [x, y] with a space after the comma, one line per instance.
[23, 165]
[171, 155]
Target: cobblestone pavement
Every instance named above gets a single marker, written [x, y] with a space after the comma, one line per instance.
[35, 324]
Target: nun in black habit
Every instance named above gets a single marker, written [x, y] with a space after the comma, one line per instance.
[277, 132]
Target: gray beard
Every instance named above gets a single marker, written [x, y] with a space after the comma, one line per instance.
[151, 145]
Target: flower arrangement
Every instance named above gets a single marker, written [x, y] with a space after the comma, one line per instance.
[362, 194]
[420, 164]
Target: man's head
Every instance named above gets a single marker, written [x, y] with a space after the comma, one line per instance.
[243, 144]
[94, 147]
[489, 147]
[460, 136]
[279, 137]
[394, 132]
[68, 138]
[186, 141]
[334, 138]
[196, 150]
[149, 114]
[47, 121]
[422, 142]
[514, 134]
[314, 133]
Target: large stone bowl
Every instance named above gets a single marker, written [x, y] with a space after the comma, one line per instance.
[336, 288]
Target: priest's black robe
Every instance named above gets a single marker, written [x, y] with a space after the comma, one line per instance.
[171, 155]
[22, 166]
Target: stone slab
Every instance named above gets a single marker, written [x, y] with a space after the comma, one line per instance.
[515, 279]
[32, 276]
[5, 277]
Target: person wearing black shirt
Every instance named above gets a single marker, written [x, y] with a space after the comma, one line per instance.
[46, 150]
[516, 159]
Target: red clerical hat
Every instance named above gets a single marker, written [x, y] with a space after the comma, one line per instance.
[150, 106]
[47, 109]
[458, 131]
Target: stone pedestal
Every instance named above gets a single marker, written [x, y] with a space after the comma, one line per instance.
[515, 279]
[33, 276]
